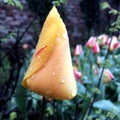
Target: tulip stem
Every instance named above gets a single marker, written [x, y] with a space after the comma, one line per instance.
[42, 108]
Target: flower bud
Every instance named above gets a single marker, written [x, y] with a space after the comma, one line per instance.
[107, 76]
[96, 48]
[112, 43]
[50, 72]
[77, 74]
[102, 39]
[78, 50]
[116, 45]
[91, 42]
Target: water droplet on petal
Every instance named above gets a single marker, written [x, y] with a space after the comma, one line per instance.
[62, 81]
[58, 39]
[64, 35]
[72, 94]
[39, 56]
[53, 73]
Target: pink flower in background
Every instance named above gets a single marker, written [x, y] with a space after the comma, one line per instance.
[96, 48]
[25, 46]
[102, 39]
[107, 75]
[96, 71]
[91, 42]
[112, 43]
[116, 45]
[78, 50]
[77, 74]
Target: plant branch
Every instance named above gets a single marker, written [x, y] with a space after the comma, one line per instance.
[43, 108]
[29, 25]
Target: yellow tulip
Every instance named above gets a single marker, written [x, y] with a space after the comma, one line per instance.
[50, 72]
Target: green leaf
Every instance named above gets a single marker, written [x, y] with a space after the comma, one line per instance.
[118, 105]
[14, 3]
[21, 94]
[81, 88]
[106, 105]
[117, 51]
[113, 11]
[21, 100]
[96, 91]
[63, 1]
[86, 69]
[9, 36]
[56, 3]
[86, 80]
[104, 5]
[18, 4]
[13, 116]
[10, 2]
[5, 1]
[107, 63]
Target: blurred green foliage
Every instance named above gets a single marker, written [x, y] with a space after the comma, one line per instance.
[16, 3]
[115, 26]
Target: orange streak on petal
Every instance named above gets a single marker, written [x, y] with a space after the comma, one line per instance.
[40, 50]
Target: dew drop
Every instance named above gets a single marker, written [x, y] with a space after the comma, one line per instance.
[72, 94]
[31, 69]
[39, 56]
[53, 73]
[64, 35]
[62, 81]
[58, 39]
